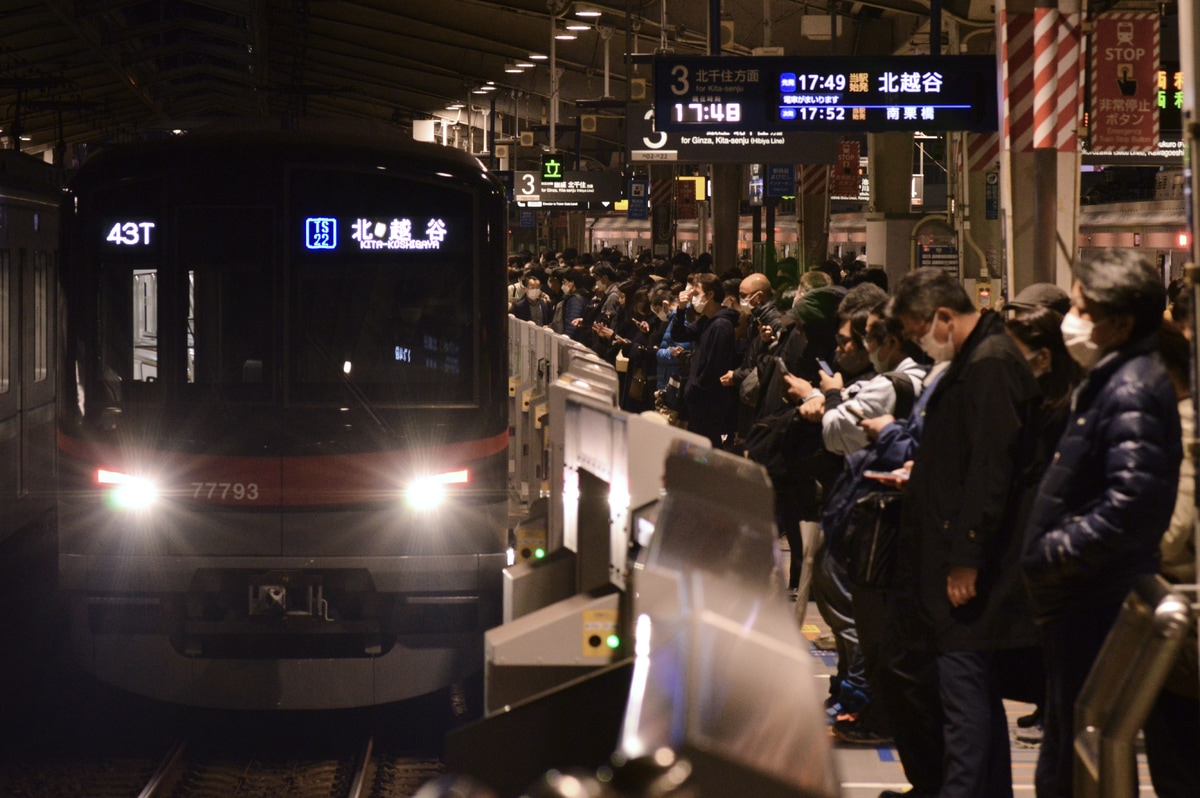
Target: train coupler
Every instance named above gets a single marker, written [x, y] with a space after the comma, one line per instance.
[287, 593]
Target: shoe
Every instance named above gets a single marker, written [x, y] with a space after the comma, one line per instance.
[1032, 719]
[850, 729]
[825, 642]
[833, 708]
[1030, 737]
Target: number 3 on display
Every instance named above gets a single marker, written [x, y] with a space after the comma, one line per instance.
[682, 85]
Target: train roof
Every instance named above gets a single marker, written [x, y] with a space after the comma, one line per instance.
[354, 147]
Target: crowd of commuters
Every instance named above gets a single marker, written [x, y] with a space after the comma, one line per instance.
[1027, 463]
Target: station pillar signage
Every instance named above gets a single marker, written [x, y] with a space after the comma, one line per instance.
[1124, 113]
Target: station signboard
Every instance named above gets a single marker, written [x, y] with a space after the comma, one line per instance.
[648, 143]
[573, 189]
[844, 94]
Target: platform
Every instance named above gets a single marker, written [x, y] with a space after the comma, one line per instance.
[866, 770]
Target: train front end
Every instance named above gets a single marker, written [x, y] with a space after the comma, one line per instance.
[283, 434]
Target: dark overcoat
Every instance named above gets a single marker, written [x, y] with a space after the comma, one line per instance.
[962, 503]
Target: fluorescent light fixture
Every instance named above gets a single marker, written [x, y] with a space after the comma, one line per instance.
[562, 34]
[577, 25]
[585, 10]
[538, 57]
[513, 68]
[526, 64]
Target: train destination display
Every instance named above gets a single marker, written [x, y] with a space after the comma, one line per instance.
[321, 232]
[834, 93]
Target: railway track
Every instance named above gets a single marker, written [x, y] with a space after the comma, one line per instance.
[189, 771]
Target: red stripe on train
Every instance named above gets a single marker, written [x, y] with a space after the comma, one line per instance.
[281, 481]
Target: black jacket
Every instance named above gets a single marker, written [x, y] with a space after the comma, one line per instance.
[711, 407]
[523, 309]
[962, 504]
[1108, 493]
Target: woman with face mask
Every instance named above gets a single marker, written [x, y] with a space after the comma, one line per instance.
[1109, 490]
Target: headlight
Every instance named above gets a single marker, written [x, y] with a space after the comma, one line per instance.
[127, 491]
[428, 493]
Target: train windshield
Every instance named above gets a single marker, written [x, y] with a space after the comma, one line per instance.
[383, 291]
[351, 288]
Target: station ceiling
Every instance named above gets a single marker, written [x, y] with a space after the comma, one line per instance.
[91, 71]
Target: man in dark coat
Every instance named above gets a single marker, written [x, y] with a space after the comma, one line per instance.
[1109, 491]
[960, 547]
[533, 306]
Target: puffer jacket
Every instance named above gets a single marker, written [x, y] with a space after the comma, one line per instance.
[1109, 491]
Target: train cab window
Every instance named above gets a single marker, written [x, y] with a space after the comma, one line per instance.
[5, 324]
[382, 301]
[129, 353]
[227, 329]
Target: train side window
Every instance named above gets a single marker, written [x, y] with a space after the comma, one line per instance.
[5, 324]
[41, 317]
[6, 330]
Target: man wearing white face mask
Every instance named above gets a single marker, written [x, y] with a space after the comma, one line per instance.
[960, 548]
[533, 306]
[1108, 492]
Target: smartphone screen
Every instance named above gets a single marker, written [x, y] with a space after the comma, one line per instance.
[900, 475]
[824, 367]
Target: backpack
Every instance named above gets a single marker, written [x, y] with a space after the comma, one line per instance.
[782, 443]
[868, 545]
[556, 318]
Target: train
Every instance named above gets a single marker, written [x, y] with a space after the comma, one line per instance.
[283, 423]
[29, 198]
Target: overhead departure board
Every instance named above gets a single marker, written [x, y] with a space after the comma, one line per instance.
[833, 94]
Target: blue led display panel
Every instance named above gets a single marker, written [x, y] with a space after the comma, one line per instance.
[832, 94]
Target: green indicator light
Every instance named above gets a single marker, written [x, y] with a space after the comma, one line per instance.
[613, 641]
[539, 553]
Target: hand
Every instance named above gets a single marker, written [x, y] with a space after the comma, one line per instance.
[832, 382]
[602, 331]
[874, 426]
[727, 379]
[676, 351]
[577, 322]
[643, 326]
[685, 296]
[960, 584]
[900, 482]
[796, 389]
[814, 409]
[766, 333]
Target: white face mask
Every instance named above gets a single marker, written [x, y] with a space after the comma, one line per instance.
[940, 352]
[745, 303]
[876, 361]
[1077, 335]
[533, 293]
[698, 303]
[662, 314]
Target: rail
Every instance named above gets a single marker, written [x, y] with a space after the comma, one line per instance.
[1123, 685]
